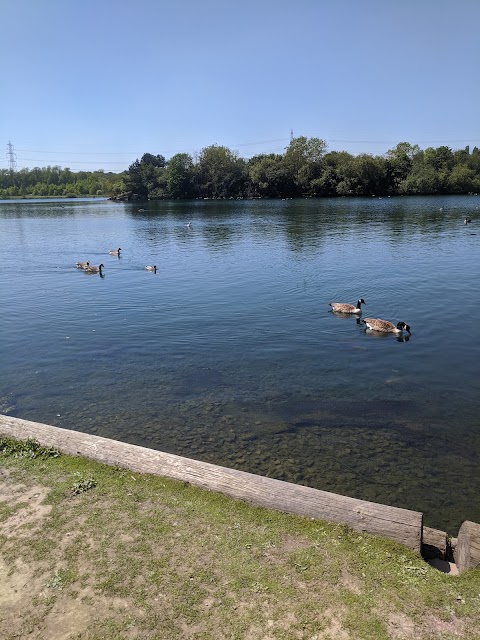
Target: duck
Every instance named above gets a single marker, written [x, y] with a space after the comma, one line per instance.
[467, 220]
[384, 326]
[345, 307]
[115, 252]
[94, 269]
[82, 265]
[150, 268]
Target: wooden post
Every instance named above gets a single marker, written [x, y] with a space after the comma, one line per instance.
[402, 525]
[467, 550]
[434, 544]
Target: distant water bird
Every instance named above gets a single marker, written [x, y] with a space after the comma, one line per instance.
[115, 252]
[344, 307]
[384, 326]
[94, 269]
[189, 225]
[150, 268]
[141, 210]
[467, 220]
[82, 265]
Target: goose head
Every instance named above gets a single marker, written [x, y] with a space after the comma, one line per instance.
[403, 326]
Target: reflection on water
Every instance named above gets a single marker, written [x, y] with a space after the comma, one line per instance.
[231, 353]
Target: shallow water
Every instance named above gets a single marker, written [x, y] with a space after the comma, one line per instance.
[230, 353]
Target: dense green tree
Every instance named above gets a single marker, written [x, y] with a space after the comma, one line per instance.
[441, 159]
[461, 179]
[371, 175]
[269, 177]
[303, 158]
[179, 176]
[399, 163]
[334, 167]
[422, 180]
[146, 177]
[219, 173]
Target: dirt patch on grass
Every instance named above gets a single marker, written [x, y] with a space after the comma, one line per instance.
[400, 626]
[29, 512]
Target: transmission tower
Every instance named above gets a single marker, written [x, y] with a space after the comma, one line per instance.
[11, 155]
[291, 135]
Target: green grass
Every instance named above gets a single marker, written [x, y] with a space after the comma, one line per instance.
[139, 556]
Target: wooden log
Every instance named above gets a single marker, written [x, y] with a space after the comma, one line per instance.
[402, 525]
[467, 549]
[434, 544]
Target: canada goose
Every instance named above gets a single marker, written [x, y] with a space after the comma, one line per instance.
[149, 268]
[114, 252]
[344, 307]
[383, 326]
[82, 265]
[94, 269]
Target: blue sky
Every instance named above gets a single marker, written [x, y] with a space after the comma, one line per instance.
[95, 84]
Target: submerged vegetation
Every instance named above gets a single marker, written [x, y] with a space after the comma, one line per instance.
[305, 169]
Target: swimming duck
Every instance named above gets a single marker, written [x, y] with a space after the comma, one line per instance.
[149, 268]
[344, 307]
[114, 252]
[467, 220]
[94, 269]
[384, 326]
[82, 265]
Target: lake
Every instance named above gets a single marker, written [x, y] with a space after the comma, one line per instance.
[231, 354]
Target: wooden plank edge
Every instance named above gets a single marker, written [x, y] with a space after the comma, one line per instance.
[434, 544]
[467, 548]
[401, 525]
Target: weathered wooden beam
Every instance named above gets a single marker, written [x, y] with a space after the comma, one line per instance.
[434, 544]
[402, 525]
[467, 549]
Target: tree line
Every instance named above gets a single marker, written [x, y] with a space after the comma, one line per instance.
[56, 182]
[305, 169]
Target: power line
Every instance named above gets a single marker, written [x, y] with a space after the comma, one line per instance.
[84, 153]
[74, 161]
[120, 153]
[123, 160]
[246, 144]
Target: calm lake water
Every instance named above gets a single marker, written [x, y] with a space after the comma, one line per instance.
[230, 353]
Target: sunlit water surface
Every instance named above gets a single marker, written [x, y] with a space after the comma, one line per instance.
[230, 353]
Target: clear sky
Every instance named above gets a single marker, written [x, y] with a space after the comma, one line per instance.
[97, 83]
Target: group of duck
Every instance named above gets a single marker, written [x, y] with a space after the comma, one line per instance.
[90, 268]
[373, 324]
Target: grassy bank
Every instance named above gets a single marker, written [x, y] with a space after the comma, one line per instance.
[90, 552]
